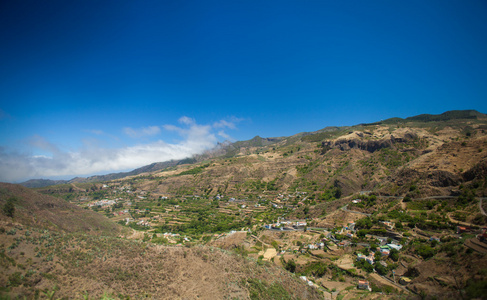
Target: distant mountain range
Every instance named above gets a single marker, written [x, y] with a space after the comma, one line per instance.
[446, 116]
[229, 150]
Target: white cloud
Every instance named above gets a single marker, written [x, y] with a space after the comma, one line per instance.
[145, 131]
[224, 135]
[93, 159]
[231, 124]
[186, 120]
[224, 124]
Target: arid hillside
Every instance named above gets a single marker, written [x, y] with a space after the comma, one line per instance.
[45, 212]
[435, 157]
[52, 249]
[237, 222]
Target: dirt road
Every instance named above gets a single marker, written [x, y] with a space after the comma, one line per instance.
[384, 281]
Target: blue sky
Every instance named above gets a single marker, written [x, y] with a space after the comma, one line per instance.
[93, 87]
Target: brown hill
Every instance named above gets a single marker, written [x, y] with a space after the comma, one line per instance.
[47, 212]
[51, 247]
[73, 266]
[435, 156]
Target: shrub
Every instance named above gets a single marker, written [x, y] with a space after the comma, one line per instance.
[362, 264]
[394, 255]
[380, 269]
[260, 289]
[412, 272]
[315, 268]
[290, 265]
[364, 223]
[9, 207]
[275, 244]
[476, 289]
[425, 251]
[15, 279]
[160, 240]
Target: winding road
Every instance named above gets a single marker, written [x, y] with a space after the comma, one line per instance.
[482, 211]
[344, 208]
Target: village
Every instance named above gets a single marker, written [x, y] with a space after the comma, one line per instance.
[363, 251]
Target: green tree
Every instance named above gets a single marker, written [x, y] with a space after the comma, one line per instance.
[425, 251]
[9, 207]
[380, 268]
[399, 225]
[394, 255]
[364, 223]
[275, 244]
[290, 265]
[362, 264]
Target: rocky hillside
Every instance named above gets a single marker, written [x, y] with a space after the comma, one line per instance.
[430, 156]
[397, 167]
[382, 146]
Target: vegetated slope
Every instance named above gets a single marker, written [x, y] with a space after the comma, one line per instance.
[435, 157]
[411, 158]
[230, 150]
[75, 265]
[303, 176]
[46, 212]
[225, 149]
[446, 116]
[51, 246]
[37, 183]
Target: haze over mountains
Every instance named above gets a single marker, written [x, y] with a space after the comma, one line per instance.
[230, 149]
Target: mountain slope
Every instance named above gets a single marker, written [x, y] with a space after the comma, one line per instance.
[446, 116]
[228, 150]
[338, 162]
[46, 212]
[425, 176]
[289, 155]
[54, 247]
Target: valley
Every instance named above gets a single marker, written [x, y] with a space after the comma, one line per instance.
[389, 210]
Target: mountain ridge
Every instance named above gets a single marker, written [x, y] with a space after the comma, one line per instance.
[227, 149]
[427, 177]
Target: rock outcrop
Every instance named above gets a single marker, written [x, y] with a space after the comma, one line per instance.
[478, 171]
[356, 141]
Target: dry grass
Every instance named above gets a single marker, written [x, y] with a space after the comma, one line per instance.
[92, 265]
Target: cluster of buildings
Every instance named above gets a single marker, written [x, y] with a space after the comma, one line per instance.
[384, 250]
[316, 246]
[103, 203]
[388, 224]
[170, 235]
[143, 223]
[286, 225]
[348, 230]
[122, 212]
[370, 258]
[140, 222]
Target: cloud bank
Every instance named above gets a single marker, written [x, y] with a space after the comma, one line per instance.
[91, 159]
